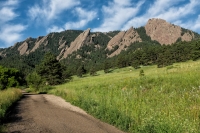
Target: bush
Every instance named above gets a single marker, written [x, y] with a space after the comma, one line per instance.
[35, 81]
[9, 77]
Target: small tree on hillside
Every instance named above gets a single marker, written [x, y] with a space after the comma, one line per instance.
[81, 70]
[106, 67]
[93, 71]
[141, 73]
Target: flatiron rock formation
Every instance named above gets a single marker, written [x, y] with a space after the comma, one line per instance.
[122, 40]
[166, 33]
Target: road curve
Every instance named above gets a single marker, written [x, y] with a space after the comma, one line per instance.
[51, 114]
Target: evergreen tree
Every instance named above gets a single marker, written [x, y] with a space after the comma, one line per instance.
[106, 67]
[81, 70]
[136, 64]
[50, 70]
[93, 71]
[141, 73]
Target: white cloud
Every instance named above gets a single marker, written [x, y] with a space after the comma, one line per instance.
[50, 9]
[165, 9]
[10, 3]
[84, 17]
[117, 13]
[7, 12]
[55, 29]
[10, 34]
[192, 25]
[176, 13]
[196, 25]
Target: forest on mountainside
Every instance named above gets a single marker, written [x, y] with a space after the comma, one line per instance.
[93, 57]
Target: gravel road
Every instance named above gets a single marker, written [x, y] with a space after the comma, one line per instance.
[51, 114]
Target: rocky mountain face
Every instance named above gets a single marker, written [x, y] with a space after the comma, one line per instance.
[65, 43]
[122, 40]
[75, 45]
[166, 33]
[24, 48]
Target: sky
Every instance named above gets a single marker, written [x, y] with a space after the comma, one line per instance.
[20, 19]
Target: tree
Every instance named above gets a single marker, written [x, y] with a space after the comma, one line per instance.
[34, 81]
[81, 70]
[136, 64]
[50, 70]
[93, 71]
[9, 77]
[141, 73]
[106, 67]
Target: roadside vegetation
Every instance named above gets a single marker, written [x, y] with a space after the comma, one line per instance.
[9, 78]
[148, 99]
[7, 98]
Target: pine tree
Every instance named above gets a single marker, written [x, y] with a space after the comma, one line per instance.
[106, 67]
[81, 70]
[50, 70]
[93, 71]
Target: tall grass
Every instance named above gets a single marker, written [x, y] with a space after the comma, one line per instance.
[7, 98]
[164, 100]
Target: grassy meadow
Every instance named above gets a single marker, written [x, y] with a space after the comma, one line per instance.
[7, 98]
[163, 100]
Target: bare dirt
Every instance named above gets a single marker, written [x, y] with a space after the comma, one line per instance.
[51, 114]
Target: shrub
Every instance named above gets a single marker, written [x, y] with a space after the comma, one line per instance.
[34, 81]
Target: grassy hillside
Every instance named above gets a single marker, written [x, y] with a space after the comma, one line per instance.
[163, 100]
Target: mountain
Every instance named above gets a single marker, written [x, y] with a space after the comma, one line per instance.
[122, 40]
[166, 33]
[76, 46]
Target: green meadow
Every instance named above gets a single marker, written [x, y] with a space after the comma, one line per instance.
[163, 100]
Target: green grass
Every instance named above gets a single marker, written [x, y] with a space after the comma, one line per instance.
[7, 98]
[164, 100]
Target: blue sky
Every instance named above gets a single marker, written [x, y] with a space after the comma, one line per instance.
[20, 19]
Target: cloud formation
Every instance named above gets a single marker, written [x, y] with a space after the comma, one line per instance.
[117, 13]
[9, 32]
[84, 17]
[165, 9]
[50, 9]
[55, 29]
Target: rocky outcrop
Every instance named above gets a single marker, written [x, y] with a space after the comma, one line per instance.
[116, 40]
[76, 44]
[164, 32]
[62, 43]
[39, 41]
[187, 36]
[2, 52]
[122, 40]
[62, 52]
[69, 41]
[23, 49]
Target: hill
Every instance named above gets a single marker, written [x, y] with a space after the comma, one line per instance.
[161, 100]
[76, 48]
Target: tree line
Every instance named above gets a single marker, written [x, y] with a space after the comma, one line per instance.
[91, 58]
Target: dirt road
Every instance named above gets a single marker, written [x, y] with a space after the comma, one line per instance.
[51, 114]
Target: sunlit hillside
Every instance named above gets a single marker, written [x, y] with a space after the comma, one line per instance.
[158, 100]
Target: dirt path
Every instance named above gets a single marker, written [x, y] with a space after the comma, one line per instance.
[51, 114]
